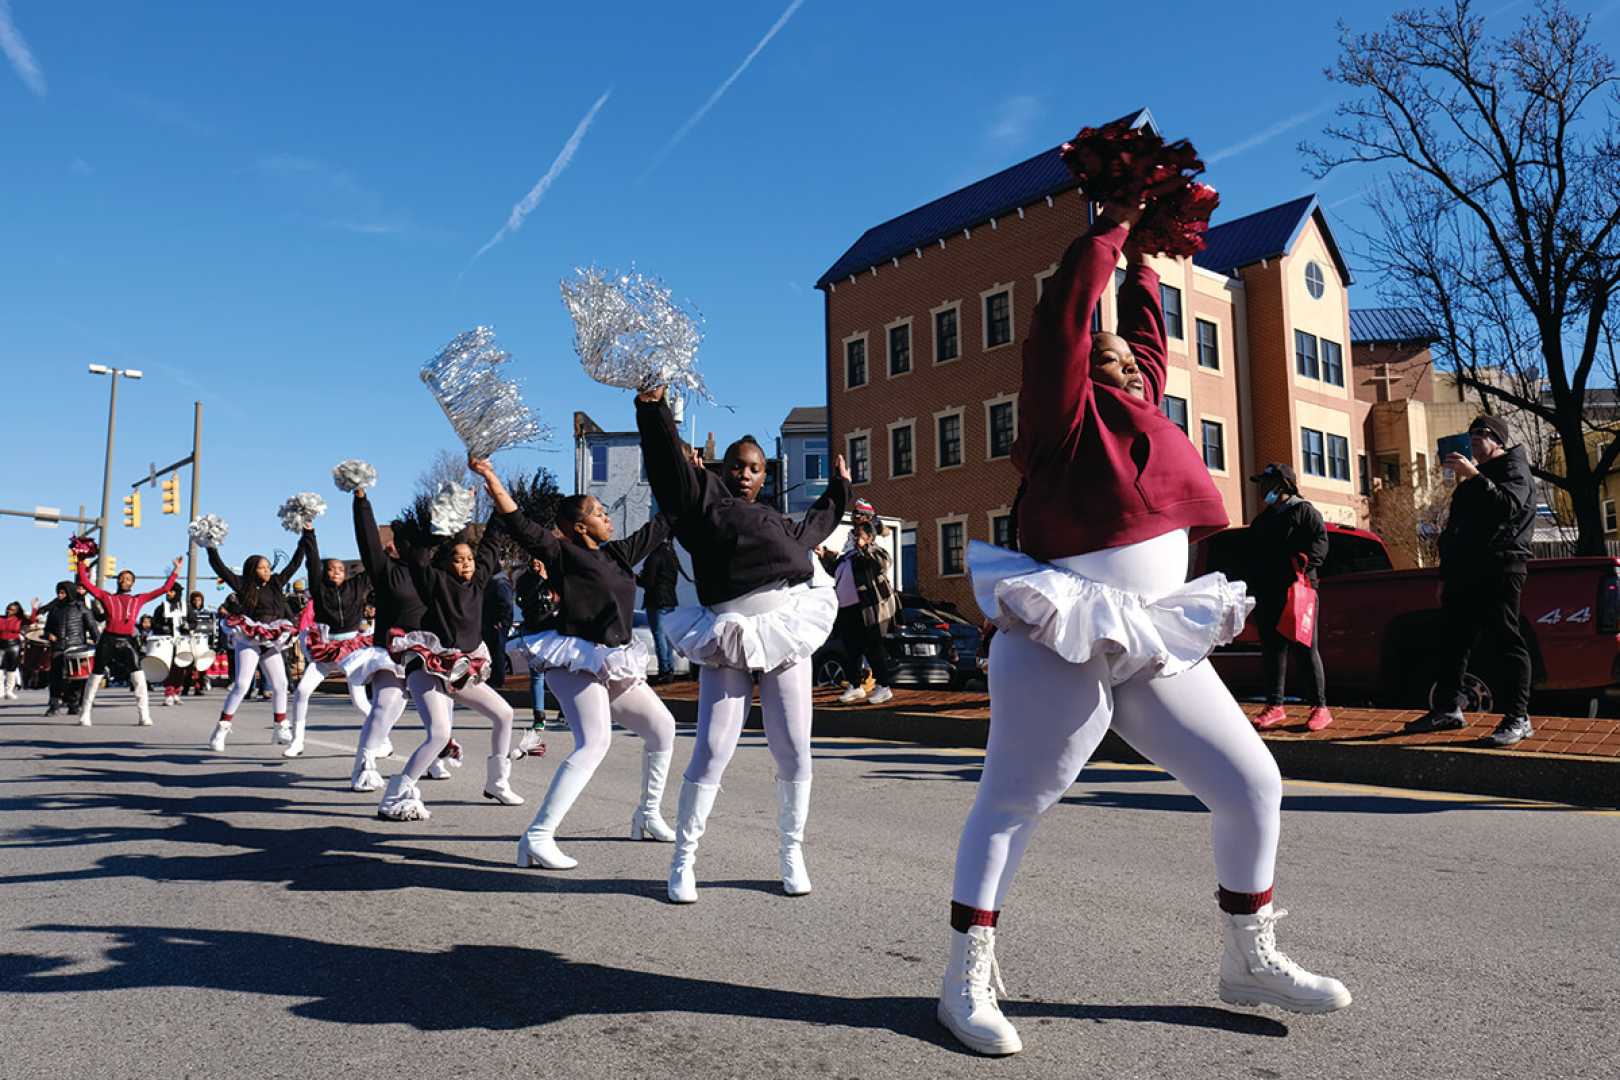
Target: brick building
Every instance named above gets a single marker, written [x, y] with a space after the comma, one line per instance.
[926, 316]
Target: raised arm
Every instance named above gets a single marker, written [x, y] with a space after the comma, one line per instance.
[674, 479]
[535, 539]
[226, 574]
[90, 586]
[312, 550]
[826, 512]
[366, 536]
[1141, 323]
[162, 590]
[641, 543]
[488, 554]
[287, 572]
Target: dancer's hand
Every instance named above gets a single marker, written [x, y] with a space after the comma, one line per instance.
[179, 561]
[841, 467]
[656, 393]
[481, 466]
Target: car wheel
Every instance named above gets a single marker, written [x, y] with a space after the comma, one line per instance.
[830, 672]
[1477, 697]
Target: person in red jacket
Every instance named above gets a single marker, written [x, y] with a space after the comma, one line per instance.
[117, 651]
[1100, 629]
[13, 624]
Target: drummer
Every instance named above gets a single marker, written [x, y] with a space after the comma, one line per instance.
[202, 624]
[69, 630]
[169, 621]
[116, 652]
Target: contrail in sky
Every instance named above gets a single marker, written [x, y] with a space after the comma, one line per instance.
[16, 50]
[1267, 134]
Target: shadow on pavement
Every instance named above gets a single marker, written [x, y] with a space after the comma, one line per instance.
[498, 987]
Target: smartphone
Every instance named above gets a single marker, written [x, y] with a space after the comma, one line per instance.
[1454, 444]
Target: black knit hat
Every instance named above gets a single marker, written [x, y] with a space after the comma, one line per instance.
[1495, 425]
[1280, 474]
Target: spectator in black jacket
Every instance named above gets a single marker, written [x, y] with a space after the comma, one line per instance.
[1288, 532]
[658, 580]
[1483, 552]
[539, 606]
[498, 618]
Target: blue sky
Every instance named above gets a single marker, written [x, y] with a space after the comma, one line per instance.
[275, 208]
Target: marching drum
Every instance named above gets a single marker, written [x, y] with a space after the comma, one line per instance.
[182, 651]
[159, 657]
[79, 664]
[202, 653]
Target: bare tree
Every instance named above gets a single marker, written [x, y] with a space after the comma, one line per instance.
[536, 495]
[1411, 515]
[1501, 211]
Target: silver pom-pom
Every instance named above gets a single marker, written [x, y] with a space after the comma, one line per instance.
[208, 531]
[299, 512]
[630, 332]
[352, 474]
[451, 509]
[485, 408]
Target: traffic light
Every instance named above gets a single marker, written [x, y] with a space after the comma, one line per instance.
[109, 569]
[132, 510]
[171, 495]
[73, 564]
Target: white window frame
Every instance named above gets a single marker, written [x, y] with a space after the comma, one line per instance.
[607, 462]
[911, 337]
[1041, 280]
[1220, 356]
[907, 422]
[1321, 278]
[1010, 289]
[1611, 520]
[989, 447]
[1226, 443]
[939, 544]
[843, 359]
[1004, 510]
[849, 455]
[933, 331]
[961, 439]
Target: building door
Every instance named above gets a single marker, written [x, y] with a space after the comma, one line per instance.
[908, 560]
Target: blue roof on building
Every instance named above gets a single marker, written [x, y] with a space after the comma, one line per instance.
[1027, 182]
[1373, 326]
[1266, 234]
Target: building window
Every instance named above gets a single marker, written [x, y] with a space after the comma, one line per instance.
[1366, 477]
[1611, 522]
[1170, 300]
[1332, 362]
[1001, 529]
[1041, 279]
[1305, 361]
[1312, 454]
[946, 346]
[599, 463]
[950, 440]
[1338, 457]
[1209, 344]
[855, 363]
[1176, 409]
[1392, 472]
[815, 466]
[1315, 284]
[998, 318]
[952, 548]
[860, 459]
[908, 558]
[902, 462]
[1003, 429]
[900, 349]
[1214, 445]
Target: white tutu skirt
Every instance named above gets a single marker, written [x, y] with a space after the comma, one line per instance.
[241, 630]
[1079, 618]
[362, 665]
[421, 649]
[551, 651]
[790, 631]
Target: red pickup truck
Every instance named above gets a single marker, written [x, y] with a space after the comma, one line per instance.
[1380, 627]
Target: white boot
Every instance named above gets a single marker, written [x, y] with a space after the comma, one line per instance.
[438, 770]
[497, 781]
[647, 823]
[538, 845]
[282, 732]
[793, 810]
[90, 689]
[364, 776]
[216, 741]
[296, 747]
[143, 706]
[1255, 972]
[691, 818]
[967, 1001]
[402, 802]
[8, 684]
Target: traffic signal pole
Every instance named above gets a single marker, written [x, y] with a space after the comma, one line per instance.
[106, 478]
[196, 484]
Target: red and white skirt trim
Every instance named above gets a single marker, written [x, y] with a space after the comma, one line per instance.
[421, 649]
[274, 635]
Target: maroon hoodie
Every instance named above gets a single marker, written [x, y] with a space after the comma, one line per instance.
[1102, 468]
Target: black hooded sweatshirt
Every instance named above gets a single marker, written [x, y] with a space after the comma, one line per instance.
[337, 606]
[398, 605]
[1492, 519]
[262, 602]
[597, 586]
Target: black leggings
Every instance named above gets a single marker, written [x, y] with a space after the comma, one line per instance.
[10, 655]
[1276, 649]
[858, 640]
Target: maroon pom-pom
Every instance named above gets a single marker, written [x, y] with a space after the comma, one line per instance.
[84, 547]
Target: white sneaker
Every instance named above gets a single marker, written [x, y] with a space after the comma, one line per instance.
[1255, 972]
[438, 770]
[879, 696]
[852, 695]
[967, 1001]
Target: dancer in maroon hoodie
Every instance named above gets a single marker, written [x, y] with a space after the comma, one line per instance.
[117, 651]
[1100, 629]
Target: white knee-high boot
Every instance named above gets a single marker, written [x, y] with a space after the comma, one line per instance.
[90, 689]
[647, 823]
[143, 705]
[691, 819]
[538, 845]
[1255, 972]
[793, 811]
[498, 781]
[8, 684]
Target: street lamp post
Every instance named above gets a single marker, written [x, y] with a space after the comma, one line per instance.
[106, 476]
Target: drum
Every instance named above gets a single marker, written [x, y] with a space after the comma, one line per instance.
[202, 653]
[79, 664]
[182, 651]
[159, 657]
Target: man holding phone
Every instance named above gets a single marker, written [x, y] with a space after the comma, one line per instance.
[1483, 554]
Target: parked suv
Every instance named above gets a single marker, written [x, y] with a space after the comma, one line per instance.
[944, 615]
[921, 654]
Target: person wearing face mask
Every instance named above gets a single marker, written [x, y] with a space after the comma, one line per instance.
[1483, 551]
[1288, 533]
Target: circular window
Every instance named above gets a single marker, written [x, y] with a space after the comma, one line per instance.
[1314, 282]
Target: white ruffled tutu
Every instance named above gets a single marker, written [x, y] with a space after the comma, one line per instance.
[549, 651]
[362, 665]
[762, 631]
[1079, 618]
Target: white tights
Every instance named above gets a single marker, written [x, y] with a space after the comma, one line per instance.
[724, 695]
[249, 657]
[387, 706]
[437, 705]
[314, 673]
[1047, 717]
[592, 707]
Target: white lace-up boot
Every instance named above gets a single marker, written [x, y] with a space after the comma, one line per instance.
[1255, 972]
[967, 1001]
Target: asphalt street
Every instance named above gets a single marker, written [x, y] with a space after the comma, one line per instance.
[169, 912]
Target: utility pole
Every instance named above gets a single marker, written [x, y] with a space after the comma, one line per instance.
[196, 485]
[104, 522]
